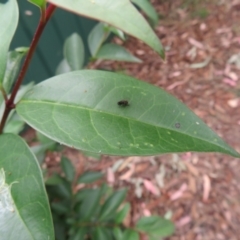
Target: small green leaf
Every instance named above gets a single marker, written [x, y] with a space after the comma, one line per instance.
[39, 3]
[25, 210]
[80, 234]
[118, 234]
[13, 65]
[63, 67]
[90, 203]
[68, 169]
[112, 204]
[111, 51]
[84, 113]
[130, 234]
[60, 207]
[74, 51]
[55, 179]
[118, 13]
[89, 177]
[147, 8]
[59, 187]
[120, 215]
[117, 32]
[96, 38]
[8, 24]
[155, 226]
[101, 233]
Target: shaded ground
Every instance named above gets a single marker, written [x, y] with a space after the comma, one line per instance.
[200, 192]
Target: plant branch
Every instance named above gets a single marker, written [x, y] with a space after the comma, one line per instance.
[45, 16]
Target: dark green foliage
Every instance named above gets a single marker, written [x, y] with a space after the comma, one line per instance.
[95, 213]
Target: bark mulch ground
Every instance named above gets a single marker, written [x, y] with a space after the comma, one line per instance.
[199, 192]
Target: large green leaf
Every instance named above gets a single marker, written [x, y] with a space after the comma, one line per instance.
[111, 51]
[119, 13]
[74, 51]
[24, 207]
[80, 109]
[8, 25]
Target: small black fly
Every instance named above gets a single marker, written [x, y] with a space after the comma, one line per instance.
[123, 103]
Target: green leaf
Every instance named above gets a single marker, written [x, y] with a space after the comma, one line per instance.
[155, 226]
[60, 207]
[91, 201]
[80, 109]
[118, 234]
[59, 187]
[23, 89]
[55, 179]
[63, 67]
[148, 8]
[39, 3]
[111, 51]
[68, 169]
[118, 13]
[89, 177]
[96, 38]
[74, 51]
[80, 234]
[8, 24]
[120, 215]
[13, 65]
[117, 32]
[14, 125]
[101, 233]
[130, 234]
[112, 204]
[25, 212]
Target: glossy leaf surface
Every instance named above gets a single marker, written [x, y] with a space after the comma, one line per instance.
[24, 207]
[96, 38]
[118, 13]
[147, 8]
[81, 109]
[8, 24]
[74, 51]
[111, 51]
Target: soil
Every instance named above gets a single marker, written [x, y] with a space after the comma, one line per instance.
[200, 193]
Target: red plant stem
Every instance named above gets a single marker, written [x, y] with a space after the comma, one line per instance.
[45, 16]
